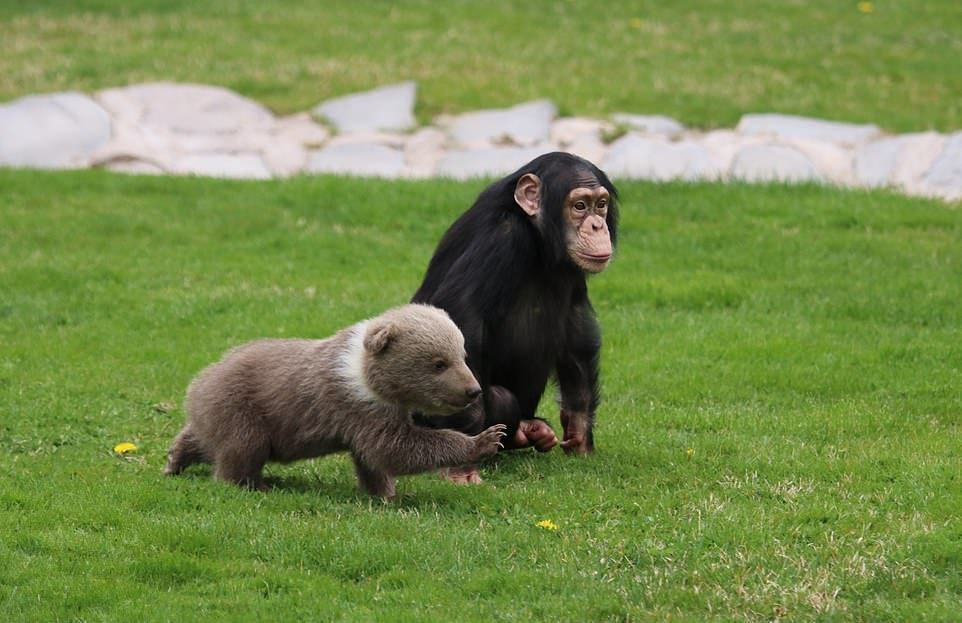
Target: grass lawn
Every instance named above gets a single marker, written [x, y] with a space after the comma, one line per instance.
[779, 437]
[782, 371]
[705, 62]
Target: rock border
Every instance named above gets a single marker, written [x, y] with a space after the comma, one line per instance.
[191, 129]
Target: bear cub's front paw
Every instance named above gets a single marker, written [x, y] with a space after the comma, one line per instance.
[488, 442]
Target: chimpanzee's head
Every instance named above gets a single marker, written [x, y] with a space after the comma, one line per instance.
[573, 204]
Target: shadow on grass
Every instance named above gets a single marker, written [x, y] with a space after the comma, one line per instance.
[340, 488]
[332, 482]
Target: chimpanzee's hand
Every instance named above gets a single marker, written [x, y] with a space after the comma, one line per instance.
[534, 432]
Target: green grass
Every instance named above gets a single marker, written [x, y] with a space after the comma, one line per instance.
[779, 437]
[705, 62]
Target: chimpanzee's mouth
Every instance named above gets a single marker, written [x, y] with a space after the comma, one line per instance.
[601, 257]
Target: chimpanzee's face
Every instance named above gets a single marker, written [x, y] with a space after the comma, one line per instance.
[582, 214]
[589, 243]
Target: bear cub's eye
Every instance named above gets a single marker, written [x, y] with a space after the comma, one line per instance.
[440, 365]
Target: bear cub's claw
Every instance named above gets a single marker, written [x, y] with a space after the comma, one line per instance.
[488, 442]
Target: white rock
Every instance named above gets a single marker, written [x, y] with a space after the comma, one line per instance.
[486, 162]
[723, 146]
[285, 157]
[195, 108]
[245, 140]
[387, 108]
[157, 140]
[875, 161]
[236, 166]
[194, 129]
[588, 146]
[52, 131]
[524, 125]
[898, 160]
[388, 139]
[650, 124]
[123, 107]
[944, 179]
[568, 130]
[205, 130]
[635, 156]
[769, 163]
[114, 157]
[300, 127]
[359, 159]
[833, 161]
[423, 150]
[130, 143]
[137, 167]
[794, 127]
[916, 156]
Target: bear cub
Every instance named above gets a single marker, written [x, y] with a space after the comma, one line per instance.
[289, 399]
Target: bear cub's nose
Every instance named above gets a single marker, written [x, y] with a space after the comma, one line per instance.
[473, 392]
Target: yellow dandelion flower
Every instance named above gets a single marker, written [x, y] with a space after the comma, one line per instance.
[547, 524]
[125, 448]
[635, 22]
[690, 452]
[866, 7]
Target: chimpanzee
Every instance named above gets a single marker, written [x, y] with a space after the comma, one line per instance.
[511, 272]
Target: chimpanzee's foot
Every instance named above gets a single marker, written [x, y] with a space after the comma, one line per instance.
[536, 433]
[463, 475]
[577, 435]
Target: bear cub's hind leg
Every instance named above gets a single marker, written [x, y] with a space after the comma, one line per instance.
[184, 452]
[242, 464]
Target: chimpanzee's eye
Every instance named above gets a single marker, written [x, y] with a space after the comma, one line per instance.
[580, 206]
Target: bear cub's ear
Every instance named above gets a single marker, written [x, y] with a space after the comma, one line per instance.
[378, 338]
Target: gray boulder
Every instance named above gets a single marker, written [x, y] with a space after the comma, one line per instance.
[875, 162]
[300, 128]
[589, 147]
[773, 163]
[833, 161]
[524, 125]
[388, 108]
[188, 108]
[723, 146]
[635, 156]
[568, 130]
[794, 127]
[234, 166]
[487, 162]
[901, 161]
[358, 159]
[944, 179]
[580, 136]
[916, 157]
[649, 124]
[423, 150]
[52, 131]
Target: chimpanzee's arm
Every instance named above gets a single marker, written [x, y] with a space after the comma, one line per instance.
[577, 372]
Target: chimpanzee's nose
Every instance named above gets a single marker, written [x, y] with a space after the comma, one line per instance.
[473, 393]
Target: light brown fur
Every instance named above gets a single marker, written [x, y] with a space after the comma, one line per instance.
[285, 400]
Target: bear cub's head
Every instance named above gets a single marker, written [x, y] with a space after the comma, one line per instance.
[415, 356]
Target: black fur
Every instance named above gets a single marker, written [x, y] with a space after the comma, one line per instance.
[521, 303]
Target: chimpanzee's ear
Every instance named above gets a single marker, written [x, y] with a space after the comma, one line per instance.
[527, 194]
[378, 337]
